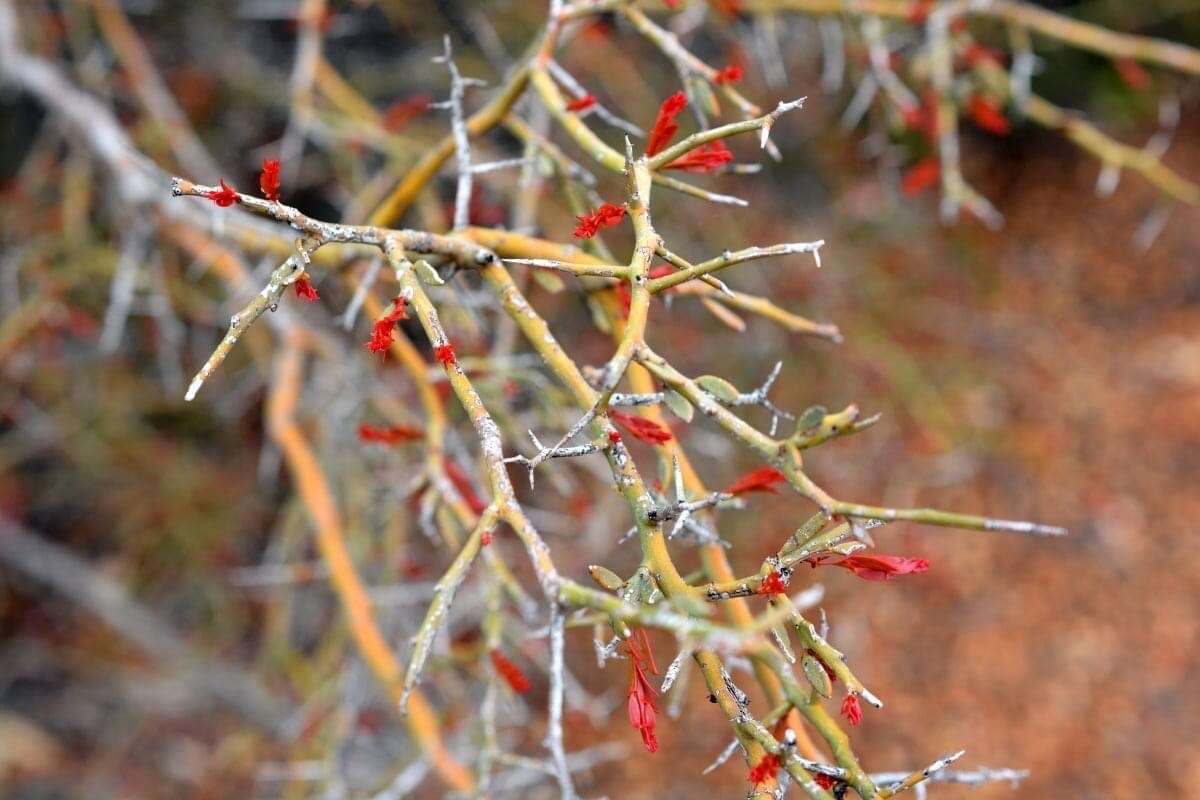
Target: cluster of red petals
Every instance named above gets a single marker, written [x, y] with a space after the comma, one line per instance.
[762, 479]
[394, 434]
[730, 74]
[404, 111]
[511, 673]
[383, 332]
[606, 216]
[730, 8]
[1133, 74]
[462, 485]
[766, 769]
[873, 567]
[225, 196]
[921, 175]
[583, 103]
[614, 436]
[918, 12]
[824, 781]
[641, 428]
[268, 179]
[665, 127]
[705, 158]
[851, 710]
[773, 584]
[305, 289]
[624, 297]
[975, 55]
[988, 116]
[444, 354]
[641, 708]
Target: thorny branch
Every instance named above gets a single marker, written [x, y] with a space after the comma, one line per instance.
[656, 595]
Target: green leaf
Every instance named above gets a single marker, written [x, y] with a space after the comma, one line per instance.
[816, 675]
[719, 388]
[679, 405]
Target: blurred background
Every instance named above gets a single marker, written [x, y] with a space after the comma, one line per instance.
[1047, 370]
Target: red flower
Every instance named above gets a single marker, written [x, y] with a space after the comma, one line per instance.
[392, 435]
[614, 436]
[605, 216]
[268, 179]
[665, 125]
[1133, 74]
[648, 431]
[624, 297]
[762, 479]
[444, 354]
[384, 330]
[582, 104]
[672, 3]
[976, 55]
[641, 708]
[730, 74]
[462, 485]
[766, 769]
[921, 176]
[773, 584]
[851, 710]
[305, 289]
[824, 781]
[988, 116]
[873, 567]
[730, 8]
[485, 538]
[705, 158]
[511, 673]
[402, 112]
[225, 196]
[919, 11]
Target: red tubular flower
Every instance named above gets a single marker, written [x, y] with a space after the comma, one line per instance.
[730, 74]
[624, 297]
[851, 710]
[1133, 74]
[582, 104]
[614, 436]
[462, 485]
[773, 584]
[766, 769]
[384, 330]
[511, 673]
[305, 289]
[872, 566]
[485, 538]
[665, 126]
[918, 12]
[225, 196]
[641, 708]
[762, 479]
[824, 781]
[988, 116]
[641, 428]
[975, 55]
[606, 216]
[404, 111]
[444, 354]
[921, 175]
[268, 179]
[705, 158]
[389, 436]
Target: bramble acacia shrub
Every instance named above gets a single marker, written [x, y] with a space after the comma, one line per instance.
[462, 483]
